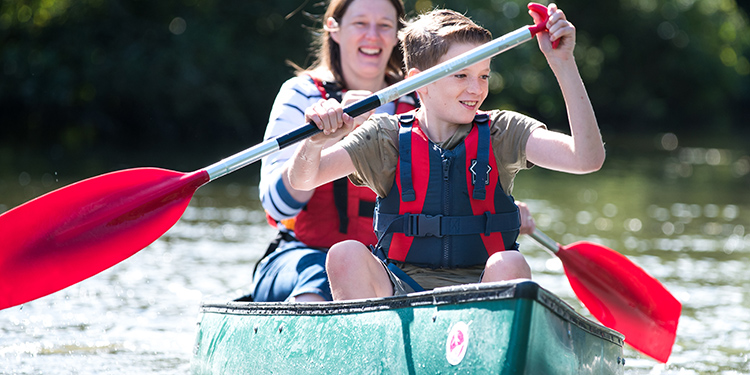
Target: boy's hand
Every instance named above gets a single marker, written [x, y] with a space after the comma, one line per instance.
[559, 28]
[328, 116]
[353, 96]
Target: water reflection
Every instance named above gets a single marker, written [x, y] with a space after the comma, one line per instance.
[681, 213]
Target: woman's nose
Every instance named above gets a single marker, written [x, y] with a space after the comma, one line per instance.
[372, 32]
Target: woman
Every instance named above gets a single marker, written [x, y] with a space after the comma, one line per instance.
[357, 53]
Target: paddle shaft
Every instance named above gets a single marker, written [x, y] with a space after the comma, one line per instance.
[386, 95]
[545, 241]
[79, 230]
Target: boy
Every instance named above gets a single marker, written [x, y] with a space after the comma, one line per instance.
[444, 175]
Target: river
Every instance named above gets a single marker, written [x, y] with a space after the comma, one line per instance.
[680, 211]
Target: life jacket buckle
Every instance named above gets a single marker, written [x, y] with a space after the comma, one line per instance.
[424, 225]
[406, 119]
[481, 118]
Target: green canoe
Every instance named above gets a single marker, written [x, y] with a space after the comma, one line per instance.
[497, 328]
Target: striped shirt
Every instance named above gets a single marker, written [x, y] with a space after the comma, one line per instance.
[287, 114]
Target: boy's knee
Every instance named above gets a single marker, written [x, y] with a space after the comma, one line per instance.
[507, 256]
[345, 248]
[343, 255]
[507, 265]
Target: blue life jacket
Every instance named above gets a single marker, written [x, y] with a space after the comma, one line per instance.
[446, 208]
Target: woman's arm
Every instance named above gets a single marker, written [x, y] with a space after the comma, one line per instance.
[288, 113]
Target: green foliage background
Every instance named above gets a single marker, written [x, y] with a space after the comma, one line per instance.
[195, 79]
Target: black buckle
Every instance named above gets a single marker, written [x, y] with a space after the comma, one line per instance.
[481, 118]
[406, 119]
[425, 225]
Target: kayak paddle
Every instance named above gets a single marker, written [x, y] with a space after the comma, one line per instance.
[79, 230]
[621, 295]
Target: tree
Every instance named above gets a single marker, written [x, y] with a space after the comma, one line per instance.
[137, 76]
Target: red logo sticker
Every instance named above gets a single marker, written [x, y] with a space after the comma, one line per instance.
[458, 341]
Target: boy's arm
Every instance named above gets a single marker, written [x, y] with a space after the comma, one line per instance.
[315, 164]
[583, 150]
[278, 196]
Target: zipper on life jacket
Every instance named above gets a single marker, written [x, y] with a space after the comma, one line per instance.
[446, 205]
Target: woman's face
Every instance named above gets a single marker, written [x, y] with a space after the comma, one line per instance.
[366, 35]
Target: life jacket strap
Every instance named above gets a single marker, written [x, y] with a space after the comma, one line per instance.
[340, 199]
[404, 150]
[421, 225]
[332, 90]
[482, 165]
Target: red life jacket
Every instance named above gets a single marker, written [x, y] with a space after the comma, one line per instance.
[338, 210]
[446, 208]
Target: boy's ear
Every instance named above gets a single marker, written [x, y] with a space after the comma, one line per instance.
[332, 26]
[413, 72]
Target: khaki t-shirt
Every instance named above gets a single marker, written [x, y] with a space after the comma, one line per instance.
[373, 148]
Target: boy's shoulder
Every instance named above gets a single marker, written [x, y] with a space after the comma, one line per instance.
[379, 126]
[504, 116]
[505, 119]
[499, 119]
[384, 121]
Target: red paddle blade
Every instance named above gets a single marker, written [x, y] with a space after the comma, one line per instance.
[623, 297]
[77, 231]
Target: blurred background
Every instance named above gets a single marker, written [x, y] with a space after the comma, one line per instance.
[94, 85]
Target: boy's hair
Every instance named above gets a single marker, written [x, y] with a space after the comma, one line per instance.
[426, 39]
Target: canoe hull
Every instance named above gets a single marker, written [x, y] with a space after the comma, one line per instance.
[499, 328]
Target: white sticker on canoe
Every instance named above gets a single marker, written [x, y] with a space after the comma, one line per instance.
[458, 341]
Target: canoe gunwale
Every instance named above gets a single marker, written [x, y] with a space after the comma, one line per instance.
[567, 313]
[453, 295]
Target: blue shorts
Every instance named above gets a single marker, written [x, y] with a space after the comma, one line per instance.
[292, 270]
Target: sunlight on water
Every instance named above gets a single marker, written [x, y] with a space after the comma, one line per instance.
[681, 213]
[685, 221]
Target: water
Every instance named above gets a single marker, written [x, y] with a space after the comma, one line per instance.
[681, 213]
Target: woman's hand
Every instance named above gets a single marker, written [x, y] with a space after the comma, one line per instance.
[527, 221]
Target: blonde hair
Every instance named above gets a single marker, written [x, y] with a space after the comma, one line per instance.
[426, 39]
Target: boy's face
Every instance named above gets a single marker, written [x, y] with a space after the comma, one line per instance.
[456, 99]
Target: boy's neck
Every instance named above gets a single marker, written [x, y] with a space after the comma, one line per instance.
[437, 130]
